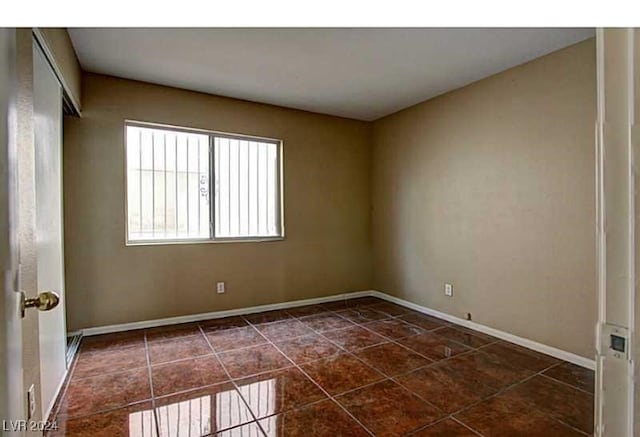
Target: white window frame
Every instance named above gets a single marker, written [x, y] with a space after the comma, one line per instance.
[212, 228]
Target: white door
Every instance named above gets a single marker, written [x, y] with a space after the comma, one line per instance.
[12, 405]
[47, 103]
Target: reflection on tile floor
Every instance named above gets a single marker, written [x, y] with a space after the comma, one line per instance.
[357, 367]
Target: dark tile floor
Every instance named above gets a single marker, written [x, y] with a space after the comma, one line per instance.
[351, 368]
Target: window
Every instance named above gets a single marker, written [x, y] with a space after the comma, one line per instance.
[189, 185]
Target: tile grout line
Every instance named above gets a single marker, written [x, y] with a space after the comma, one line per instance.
[466, 426]
[111, 373]
[156, 420]
[362, 325]
[296, 365]
[389, 340]
[432, 362]
[504, 389]
[447, 325]
[551, 416]
[109, 410]
[390, 378]
[99, 411]
[395, 341]
[567, 384]
[398, 317]
[509, 387]
[442, 419]
[331, 397]
[471, 350]
[100, 350]
[235, 386]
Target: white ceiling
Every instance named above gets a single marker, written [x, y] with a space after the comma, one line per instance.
[357, 73]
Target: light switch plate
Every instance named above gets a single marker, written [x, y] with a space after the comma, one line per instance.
[614, 341]
[448, 290]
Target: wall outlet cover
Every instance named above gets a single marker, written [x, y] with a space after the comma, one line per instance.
[448, 290]
[220, 287]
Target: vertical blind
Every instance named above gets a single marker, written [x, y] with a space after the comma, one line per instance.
[169, 174]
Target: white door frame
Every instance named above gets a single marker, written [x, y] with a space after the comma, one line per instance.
[617, 158]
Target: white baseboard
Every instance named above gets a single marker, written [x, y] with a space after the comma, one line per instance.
[219, 314]
[521, 341]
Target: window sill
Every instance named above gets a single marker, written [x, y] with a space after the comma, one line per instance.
[202, 241]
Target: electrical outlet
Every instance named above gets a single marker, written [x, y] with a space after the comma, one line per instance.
[220, 287]
[448, 290]
[31, 402]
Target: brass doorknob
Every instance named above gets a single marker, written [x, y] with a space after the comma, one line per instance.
[45, 301]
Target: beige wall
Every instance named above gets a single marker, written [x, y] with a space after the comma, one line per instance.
[61, 48]
[327, 211]
[491, 188]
